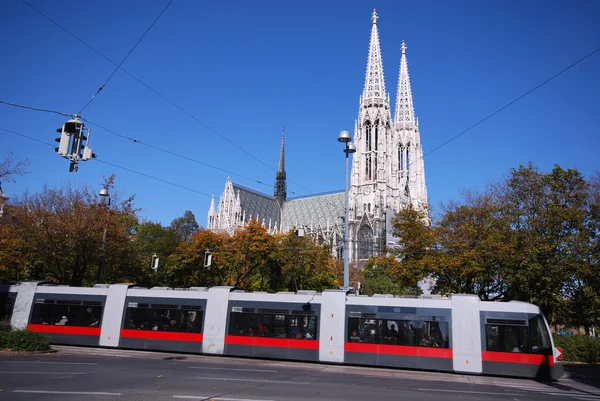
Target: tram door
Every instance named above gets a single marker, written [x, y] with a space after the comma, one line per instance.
[466, 334]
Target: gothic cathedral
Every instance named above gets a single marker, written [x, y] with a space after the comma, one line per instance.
[388, 175]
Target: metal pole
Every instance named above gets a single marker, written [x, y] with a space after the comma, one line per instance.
[102, 248]
[346, 237]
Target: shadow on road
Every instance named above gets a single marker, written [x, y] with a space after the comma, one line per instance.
[583, 373]
[174, 358]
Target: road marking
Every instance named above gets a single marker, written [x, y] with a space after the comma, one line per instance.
[44, 373]
[54, 363]
[239, 370]
[201, 397]
[250, 380]
[65, 392]
[468, 392]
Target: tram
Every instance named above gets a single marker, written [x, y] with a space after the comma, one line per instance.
[457, 334]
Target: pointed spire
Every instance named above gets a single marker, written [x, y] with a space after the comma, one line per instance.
[281, 153]
[212, 204]
[374, 80]
[405, 111]
[280, 184]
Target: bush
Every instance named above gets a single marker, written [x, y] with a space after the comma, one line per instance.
[21, 340]
[579, 348]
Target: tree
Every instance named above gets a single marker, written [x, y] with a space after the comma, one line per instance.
[304, 264]
[474, 242]
[415, 249]
[185, 267]
[547, 214]
[378, 278]
[61, 233]
[10, 168]
[185, 226]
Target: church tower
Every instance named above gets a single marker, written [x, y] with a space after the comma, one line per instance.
[280, 185]
[369, 189]
[409, 169]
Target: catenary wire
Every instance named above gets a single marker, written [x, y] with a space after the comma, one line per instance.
[172, 103]
[36, 108]
[243, 150]
[145, 144]
[113, 165]
[174, 153]
[127, 56]
[512, 102]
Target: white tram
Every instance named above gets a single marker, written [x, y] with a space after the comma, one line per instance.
[456, 334]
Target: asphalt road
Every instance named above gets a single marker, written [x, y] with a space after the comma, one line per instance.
[99, 374]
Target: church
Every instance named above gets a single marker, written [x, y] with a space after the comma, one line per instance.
[388, 174]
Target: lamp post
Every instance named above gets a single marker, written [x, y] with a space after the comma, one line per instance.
[345, 137]
[3, 199]
[104, 193]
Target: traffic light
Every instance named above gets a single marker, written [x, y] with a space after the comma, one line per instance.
[361, 288]
[63, 141]
[74, 137]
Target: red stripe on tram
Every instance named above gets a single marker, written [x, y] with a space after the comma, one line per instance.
[161, 335]
[516, 357]
[428, 352]
[272, 342]
[73, 330]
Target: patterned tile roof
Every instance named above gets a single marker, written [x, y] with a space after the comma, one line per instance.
[255, 203]
[314, 210]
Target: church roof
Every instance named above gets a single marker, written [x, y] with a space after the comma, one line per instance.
[314, 210]
[256, 204]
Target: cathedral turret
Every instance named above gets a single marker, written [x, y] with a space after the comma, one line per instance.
[370, 171]
[280, 184]
[211, 213]
[405, 111]
[411, 169]
[374, 91]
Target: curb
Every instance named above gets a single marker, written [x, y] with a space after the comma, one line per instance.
[24, 353]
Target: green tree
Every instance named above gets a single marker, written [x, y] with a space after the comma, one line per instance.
[61, 231]
[304, 264]
[185, 226]
[185, 267]
[415, 249]
[475, 243]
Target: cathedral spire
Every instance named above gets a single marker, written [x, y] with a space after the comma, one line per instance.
[405, 111]
[374, 81]
[280, 184]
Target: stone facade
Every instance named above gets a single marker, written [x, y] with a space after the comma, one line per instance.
[388, 174]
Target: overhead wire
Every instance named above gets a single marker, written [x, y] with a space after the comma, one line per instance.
[127, 56]
[113, 165]
[145, 144]
[36, 108]
[260, 161]
[172, 103]
[512, 102]
[175, 154]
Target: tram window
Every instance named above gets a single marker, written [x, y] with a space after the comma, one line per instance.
[67, 313]
[433, 333]
[275, 325]
[540, 339]
[507, 338]
[163, 318]
[363, 330]
[271, 326]
[6, 307]
[407, 332]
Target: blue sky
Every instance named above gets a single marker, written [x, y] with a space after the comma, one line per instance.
[248, 68]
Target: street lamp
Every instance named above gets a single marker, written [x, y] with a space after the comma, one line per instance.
[104, 193]
[345, 137]
[3, 199]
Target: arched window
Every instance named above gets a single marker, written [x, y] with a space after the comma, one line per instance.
[408, 157]
[368, 136]
[365, 242]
